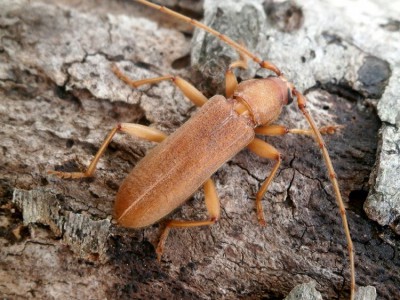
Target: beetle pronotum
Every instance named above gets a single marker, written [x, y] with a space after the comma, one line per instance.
[168, 175]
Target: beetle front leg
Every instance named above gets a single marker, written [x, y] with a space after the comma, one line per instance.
[277, 130]
[187, 88]
[265, 150]
[213, 208]
[140, 131]
[231, 82]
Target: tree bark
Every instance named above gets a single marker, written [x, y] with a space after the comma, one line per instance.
[59, 100]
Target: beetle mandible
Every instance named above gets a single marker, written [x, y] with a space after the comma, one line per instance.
[169, 174]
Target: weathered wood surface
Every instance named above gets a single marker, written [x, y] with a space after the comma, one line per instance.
[59, 99]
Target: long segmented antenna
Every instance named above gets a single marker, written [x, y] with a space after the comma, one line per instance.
[239, 48]
[301, 101]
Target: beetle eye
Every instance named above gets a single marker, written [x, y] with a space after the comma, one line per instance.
[289, 97]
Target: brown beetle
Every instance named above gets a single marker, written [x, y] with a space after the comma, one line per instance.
[184, 161]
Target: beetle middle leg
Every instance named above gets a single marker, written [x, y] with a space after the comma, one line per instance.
[141, 131]
[187, 89]
[213, 208]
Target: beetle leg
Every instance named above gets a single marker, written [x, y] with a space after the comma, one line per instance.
[187, 88]
[276, 130]
[265, 150]
[144, 132]
[213, 209]
[231, 82]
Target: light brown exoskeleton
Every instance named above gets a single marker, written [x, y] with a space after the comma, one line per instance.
[184, 161]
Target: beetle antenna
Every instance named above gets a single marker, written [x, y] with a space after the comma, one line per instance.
[238, 47]
[301, 102]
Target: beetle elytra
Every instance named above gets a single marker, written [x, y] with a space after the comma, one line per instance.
[184, 161]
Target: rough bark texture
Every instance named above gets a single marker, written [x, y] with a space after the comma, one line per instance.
[59, 99]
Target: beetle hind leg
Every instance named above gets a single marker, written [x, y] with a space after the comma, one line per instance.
[213, 209]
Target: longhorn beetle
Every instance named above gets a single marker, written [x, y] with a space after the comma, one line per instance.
[184, 161]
